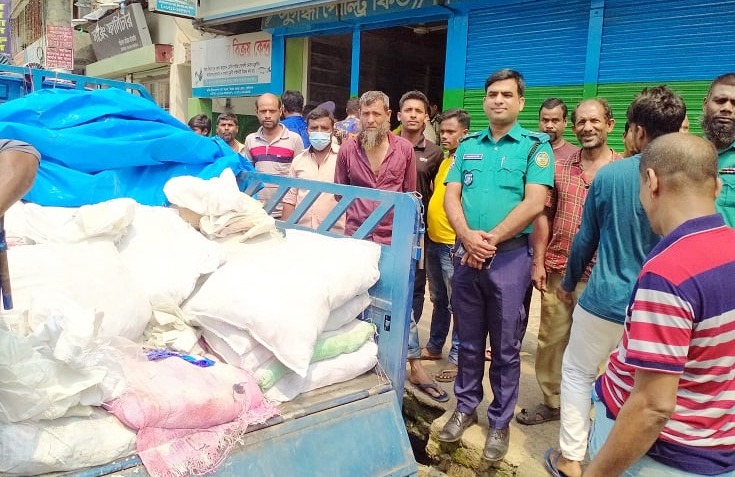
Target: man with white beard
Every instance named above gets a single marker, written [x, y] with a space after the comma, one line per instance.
[379, 159]
[718, 125]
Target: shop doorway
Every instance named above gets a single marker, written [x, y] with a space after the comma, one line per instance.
[393, 60]
[399, 59]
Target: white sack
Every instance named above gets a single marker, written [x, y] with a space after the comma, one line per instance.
[283, 291]
[59, 366]
[323, 373]
[33, 223]
[65, 444]
[346, 313]
[166, 256]
[85, 275]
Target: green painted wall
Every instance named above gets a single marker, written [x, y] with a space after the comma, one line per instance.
[619, 95]
[294, 71]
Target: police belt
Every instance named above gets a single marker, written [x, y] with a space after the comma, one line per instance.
[512, 244]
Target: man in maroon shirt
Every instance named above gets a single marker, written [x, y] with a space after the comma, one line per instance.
[379, 159]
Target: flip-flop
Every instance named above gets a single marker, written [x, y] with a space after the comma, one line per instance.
[424, 388]
[551, 460]
[538, 415]
[426, 355]
[448, 374]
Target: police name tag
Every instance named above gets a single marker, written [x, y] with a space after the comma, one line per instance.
[472, 157]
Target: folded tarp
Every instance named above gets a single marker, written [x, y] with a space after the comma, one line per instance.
[105, 144]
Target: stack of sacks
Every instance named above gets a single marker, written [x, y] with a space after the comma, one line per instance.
[281, 293]
[48, 382]
[167, 257]
[188, 418]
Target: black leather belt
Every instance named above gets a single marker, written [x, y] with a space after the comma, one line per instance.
[512, 244]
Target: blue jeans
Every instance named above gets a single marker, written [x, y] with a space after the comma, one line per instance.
[645, 467]
[439, 271]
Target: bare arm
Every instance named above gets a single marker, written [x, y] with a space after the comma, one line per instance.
[539, 241]
[638, 425]
[287, 210]
[17, 172]
[522, 214]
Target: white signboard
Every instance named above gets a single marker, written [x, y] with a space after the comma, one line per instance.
[231, 66]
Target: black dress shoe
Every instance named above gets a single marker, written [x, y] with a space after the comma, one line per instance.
[455, 426]
[496, 445]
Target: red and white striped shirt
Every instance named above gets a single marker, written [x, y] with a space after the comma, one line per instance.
[681, 320]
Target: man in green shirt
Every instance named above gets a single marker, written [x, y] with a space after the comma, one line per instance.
[718, 124]
[495, 189]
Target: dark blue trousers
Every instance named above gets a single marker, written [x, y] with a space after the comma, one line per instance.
[491, 302]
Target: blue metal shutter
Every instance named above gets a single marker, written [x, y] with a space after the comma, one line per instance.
[680, 43]
[545, 40]
[665, 40]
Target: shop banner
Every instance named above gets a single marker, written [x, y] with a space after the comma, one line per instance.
[122, 31]
[231, 66]
[179, 8]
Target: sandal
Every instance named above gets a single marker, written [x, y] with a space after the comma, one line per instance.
[448, 374]
[540, 414]
[551, 462]
[433, 391]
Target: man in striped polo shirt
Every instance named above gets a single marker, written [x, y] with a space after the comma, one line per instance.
[273, 146]
[665, 404]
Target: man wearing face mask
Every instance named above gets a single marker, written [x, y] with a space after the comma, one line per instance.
[315, 163]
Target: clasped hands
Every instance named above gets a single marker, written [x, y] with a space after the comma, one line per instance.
[479, 246]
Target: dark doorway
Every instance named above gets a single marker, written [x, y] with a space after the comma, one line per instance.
[330, 59]
[399, 59]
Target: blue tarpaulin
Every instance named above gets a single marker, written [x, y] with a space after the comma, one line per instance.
[104, 144]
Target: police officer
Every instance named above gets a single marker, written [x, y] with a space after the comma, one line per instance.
[495, 189]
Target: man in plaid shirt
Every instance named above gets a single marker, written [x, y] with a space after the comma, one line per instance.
[552, 238]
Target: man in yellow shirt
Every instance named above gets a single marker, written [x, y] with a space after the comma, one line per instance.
[440, 237]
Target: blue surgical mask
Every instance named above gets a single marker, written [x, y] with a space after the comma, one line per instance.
[320, 140]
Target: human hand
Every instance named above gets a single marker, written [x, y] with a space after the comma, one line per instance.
[538, 276]
[565, 297]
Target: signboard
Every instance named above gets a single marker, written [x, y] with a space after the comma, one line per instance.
[59, 47]
[231, 66]
[122, 31]
[180, 8]
[344, 10]
[5, 26]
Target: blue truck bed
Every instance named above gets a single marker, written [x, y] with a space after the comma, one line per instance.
[353, 428]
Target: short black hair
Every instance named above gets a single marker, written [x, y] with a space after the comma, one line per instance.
[463, 118]
[726, 79]
[227, 117]
[659, 110]
[551, 103]
[293, 101]
[200, 121]
[415, 94]
[353, 106]
[601, 101]
[505, 74]
[318, 113]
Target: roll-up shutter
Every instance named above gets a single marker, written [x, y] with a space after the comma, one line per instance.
[681, 43]
[545, 40]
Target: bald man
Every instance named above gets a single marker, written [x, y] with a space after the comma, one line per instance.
[664, 404]
[272, 147]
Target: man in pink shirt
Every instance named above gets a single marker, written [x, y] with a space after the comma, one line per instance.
[318, 163]
[379, 159]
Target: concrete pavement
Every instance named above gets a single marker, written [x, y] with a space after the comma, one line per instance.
[464, 458]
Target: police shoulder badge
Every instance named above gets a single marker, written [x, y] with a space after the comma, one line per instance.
[467, 178]
[542, 159]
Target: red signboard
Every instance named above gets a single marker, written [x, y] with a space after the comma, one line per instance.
[59, 47]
